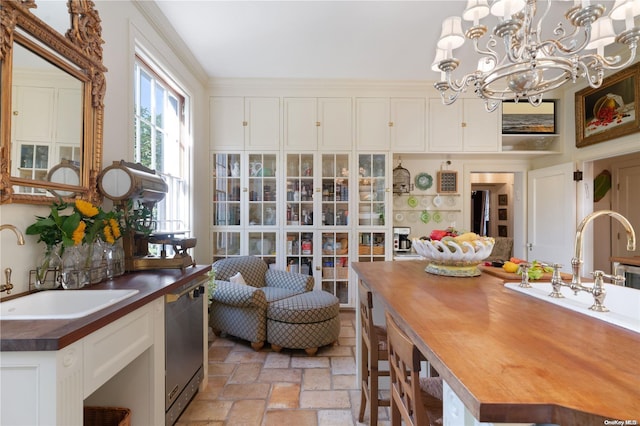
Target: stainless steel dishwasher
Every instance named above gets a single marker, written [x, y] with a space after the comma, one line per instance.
[184, 346]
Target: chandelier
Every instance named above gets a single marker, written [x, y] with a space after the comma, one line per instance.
[525, 65]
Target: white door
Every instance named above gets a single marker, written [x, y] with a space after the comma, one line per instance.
[551, 215]
[625, 201]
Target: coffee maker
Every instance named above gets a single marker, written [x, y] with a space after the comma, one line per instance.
[401, 240]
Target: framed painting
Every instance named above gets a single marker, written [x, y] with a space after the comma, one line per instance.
[522, 118]
[502, 214]
[503, 231]
[503, 200]
[610, 111]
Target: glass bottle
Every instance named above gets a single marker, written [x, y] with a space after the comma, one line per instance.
[47, 269]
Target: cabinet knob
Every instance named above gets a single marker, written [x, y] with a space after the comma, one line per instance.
[464, 124]
[245, 124]
[391, 124]
[16, 113]
[244, 189]
[318, 189]
[317, 124]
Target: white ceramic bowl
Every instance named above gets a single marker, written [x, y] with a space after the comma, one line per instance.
[453, 259]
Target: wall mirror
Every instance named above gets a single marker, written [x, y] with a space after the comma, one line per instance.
[51, 107]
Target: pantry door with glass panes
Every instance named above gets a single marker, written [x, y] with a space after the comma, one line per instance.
[335, 236]
[373, 210]
[300, 214]
[244, 205]
[262, 220]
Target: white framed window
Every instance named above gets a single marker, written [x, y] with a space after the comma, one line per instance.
[160, 143]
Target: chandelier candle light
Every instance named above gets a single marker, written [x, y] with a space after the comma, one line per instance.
[528, 65]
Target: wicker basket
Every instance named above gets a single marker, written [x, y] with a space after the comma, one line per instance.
[107, 416]
[378, 250]
[328, 273]
[364, 249]
[342, 273]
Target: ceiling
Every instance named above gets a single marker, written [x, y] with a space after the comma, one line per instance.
[365, 40]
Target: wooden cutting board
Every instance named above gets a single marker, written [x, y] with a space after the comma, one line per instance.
[513, 277]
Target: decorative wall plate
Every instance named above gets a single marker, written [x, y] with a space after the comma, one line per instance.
[412, 201]
[437, 217]
[424, 181]
[437, 200]
[425, 217]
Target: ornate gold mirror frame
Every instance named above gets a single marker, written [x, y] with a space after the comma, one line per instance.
[79, 53]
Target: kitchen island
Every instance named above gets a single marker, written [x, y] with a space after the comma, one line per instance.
[50, 368]
[508, 357]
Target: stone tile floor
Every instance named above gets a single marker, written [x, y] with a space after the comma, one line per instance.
[267, 388]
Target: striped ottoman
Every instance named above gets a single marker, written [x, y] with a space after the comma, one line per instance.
[306, 321]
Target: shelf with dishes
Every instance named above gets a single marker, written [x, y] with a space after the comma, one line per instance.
[426, 216]
[428, 201]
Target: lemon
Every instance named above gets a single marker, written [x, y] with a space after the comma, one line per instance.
[510, 266]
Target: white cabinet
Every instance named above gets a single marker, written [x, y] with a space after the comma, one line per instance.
[244, 122]
[50, 387]
[396, 124]
[317, 123]
[464, 126]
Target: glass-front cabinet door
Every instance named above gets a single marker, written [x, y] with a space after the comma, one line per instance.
[335, 190]
[372, 184]
[263, 206]
[335, 264]
[225, 244]
[299, 252]
[371, 246]
[299, 187]
[263, 245]
[227, 174]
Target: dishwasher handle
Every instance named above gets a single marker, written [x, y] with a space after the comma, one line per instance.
[194, 292]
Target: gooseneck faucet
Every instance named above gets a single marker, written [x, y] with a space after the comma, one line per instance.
[15, 231]
[7, 272]
[576, 262]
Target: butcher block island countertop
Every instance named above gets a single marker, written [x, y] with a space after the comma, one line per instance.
[509, 357]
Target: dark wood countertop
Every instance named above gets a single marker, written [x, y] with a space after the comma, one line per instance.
[52, 335]
[509, 357]
[633, 260]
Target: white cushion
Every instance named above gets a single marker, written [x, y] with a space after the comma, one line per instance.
[237, 278]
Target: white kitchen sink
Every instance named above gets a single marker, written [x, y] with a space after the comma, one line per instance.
[623, 302]
[61, 304]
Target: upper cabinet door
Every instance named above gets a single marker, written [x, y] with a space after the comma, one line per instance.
[372, 124]
[335, 124]
[262, 129]
[481, 129]
[301, 124]
[408, 122]
[445, 131]
[226, 122]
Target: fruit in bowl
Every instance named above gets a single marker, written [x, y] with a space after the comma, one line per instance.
[457, 256]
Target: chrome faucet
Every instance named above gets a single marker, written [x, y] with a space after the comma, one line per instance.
[576, 262]
[7, 272]
[15, 231]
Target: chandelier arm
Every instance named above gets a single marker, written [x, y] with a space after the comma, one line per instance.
[542, 18]
[462, 84]
[488, 51]
[571, 49]
[609, 62]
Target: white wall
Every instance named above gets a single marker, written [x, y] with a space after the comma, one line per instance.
[122, 22]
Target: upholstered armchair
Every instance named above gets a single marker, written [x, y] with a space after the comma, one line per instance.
[241, 309]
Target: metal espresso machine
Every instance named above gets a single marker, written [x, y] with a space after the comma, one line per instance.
[130, 184]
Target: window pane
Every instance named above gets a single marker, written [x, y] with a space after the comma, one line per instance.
[159, 163]
[146, 149]
[145, 95]
[159, 112]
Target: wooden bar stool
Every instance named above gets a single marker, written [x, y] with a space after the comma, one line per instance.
[417, 401]
[374, 350]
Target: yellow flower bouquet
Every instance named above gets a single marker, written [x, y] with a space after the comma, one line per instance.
[78, 233]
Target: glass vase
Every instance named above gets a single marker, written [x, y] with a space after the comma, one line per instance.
[71, 277]
[114, 260]
[48, 269]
